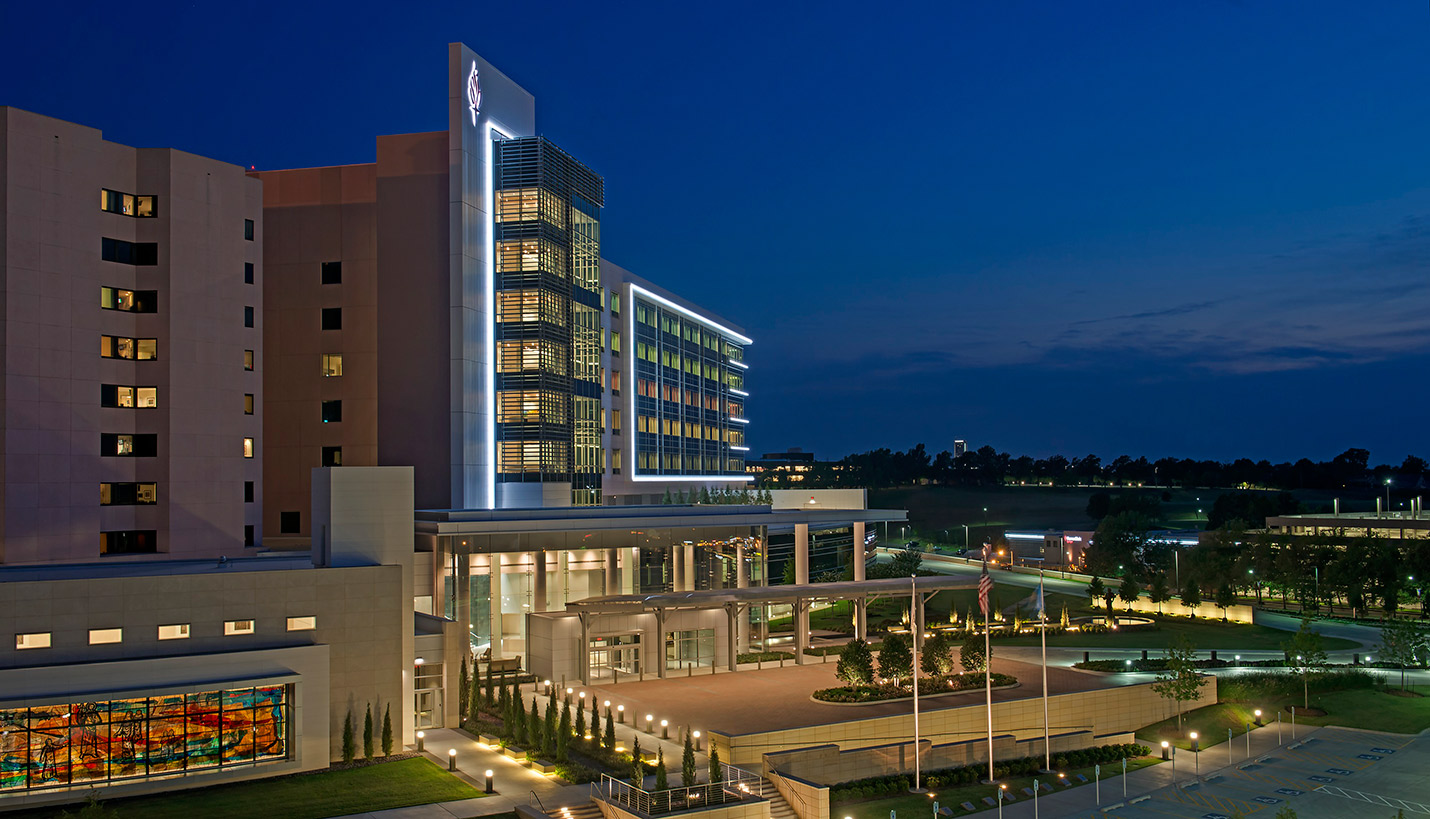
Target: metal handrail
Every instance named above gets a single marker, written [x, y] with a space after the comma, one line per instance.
[737, 785]
[538, 801]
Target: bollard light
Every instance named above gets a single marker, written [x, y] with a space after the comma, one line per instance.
[1258, 717]
[452, 759]
[421, 735]
[607, 703]
[1166, 750]
[649, 720]
[621, 713]
[490, 789]
[665, 729]
[582, 697]
[569, 690]
[696, 735]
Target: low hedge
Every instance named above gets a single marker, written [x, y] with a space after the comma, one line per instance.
[763, 656]
[576, 773]
[968, 774]
[877, 693]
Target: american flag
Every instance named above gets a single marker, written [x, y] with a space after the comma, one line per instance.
[985, 585]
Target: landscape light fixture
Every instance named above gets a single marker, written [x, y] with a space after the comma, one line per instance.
[621, 714]
[696, 735]
[1166, 750]
[452, 759]
[665, 729]
[421, 741]
[489, 788]
[649, 720]
[1257, 713]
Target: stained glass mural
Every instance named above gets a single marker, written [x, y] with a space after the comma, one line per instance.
[84, 743]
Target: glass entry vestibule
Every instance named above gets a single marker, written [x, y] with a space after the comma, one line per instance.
[615, 655]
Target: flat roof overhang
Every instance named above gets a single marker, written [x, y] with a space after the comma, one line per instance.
[616, 518]
[718, 598]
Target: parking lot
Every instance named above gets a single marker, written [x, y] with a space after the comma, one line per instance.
[1333, 773]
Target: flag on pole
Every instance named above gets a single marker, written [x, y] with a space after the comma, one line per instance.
[985, 585]
[1038, 602]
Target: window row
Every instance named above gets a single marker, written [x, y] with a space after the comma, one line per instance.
[533, 456]
[134, 349]
[128, 204]
[684, 429]
[648, 388]
[117, 395]
[531, 356]
[531, 305]
[177, 631]
[532, 255]
[529, 406]
[128, 494]
[128, 444]
[135, 253]
[130, 301]
[676, 461]
[530, 204]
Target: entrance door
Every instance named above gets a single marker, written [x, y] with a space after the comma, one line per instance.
[429, 709]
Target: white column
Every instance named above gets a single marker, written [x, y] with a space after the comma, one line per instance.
[538, 580]
[859, 550]
[689, 561]
[801, 577]
[677, 568]
[613, 573]
[742, 581]
[563, 578]
[495, 586]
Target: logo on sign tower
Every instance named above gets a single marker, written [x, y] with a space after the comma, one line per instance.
[474, 92]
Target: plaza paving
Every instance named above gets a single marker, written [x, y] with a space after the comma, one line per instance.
[778, 698]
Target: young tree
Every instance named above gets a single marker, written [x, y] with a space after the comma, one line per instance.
[1403, 643]
[519, 727]
[717, 771]
[1191, 595]
[1064, 621]
[856, 663]
[563, 731]
[687, 762]
[595, 721]
[971, 656]
[1181, 682]
[580, 726]
[504, 711]
[1095, 590]
[491, 687]
[1129, 591]
[1225, 598]
[609, 740]
[666, 500]
[637, 767]
[936, 656]
[896, 660]
[387, 731]
[1160, 592]
[907, 560]
[474, 697]
[1306, 654]
[349, 745]
[662, 783]
[548, 731]
[367, 734]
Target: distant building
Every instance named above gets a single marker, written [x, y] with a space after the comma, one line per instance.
[790, 466]
[1406, 525]
[959, 447]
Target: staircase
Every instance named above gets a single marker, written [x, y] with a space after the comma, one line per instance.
[584, 810]
[779, 808]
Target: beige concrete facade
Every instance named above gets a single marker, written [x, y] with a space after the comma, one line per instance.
[197, 299]
[1100, 712]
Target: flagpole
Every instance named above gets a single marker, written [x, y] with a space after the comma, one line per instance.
[1043, 612]
[916, 629]
[988, 665]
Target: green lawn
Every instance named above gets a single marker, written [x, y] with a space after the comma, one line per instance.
[1356, 708]
[916, 805]
[385, 785]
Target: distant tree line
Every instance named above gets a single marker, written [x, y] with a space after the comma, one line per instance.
[880, 468]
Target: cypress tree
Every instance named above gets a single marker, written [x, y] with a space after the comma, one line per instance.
[474, 697]
[504, 711]
[349, 747]
[610, 737]
[563, 732]
[580, 727]
[687, 762]
[717, 773]
[533, 728]
[387, 731]
[637, 772]
[548, 736]
[463, 690]
[518, 720]
[662, 781]
[595, 722]
[367, 734]
[491, 686]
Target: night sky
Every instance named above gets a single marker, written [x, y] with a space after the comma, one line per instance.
[1187, 228]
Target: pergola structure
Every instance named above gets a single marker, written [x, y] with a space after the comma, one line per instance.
[737, 602]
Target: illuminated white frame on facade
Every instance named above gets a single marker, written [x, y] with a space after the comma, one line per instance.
[491, 275]
[630, 355]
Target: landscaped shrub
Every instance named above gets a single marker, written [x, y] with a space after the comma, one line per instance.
[1273, 685]
[763, 657]
[875, 693]
[576, 773]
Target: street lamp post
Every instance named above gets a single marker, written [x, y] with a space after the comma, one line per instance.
[1197, 754]
[1387, 497]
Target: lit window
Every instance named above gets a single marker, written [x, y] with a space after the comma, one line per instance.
[104, 636]
[130, 301]
[140, 349]
[332, 364]
[235, 627]
[302, 623]
[248, 447]
[178, 631]
[248, 403]
[39, 639]
[248, 359]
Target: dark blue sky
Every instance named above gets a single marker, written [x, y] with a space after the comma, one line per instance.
[1186, 228]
